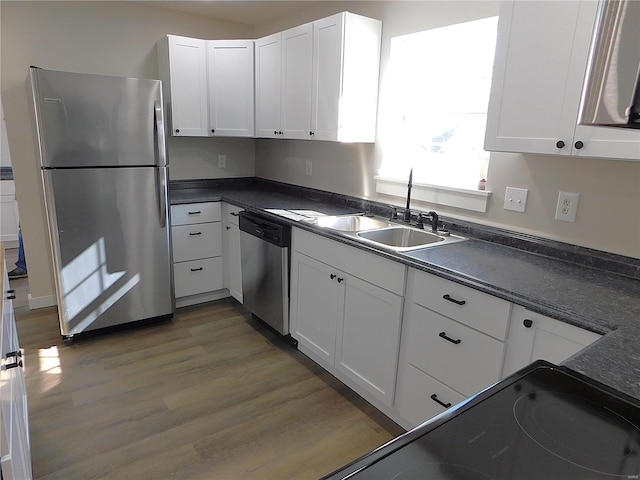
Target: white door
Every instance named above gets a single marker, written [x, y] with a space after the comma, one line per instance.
[368, 337]
[268, 85]
[532, 106]
[297, 45]
[316, 297]
[230, 78]
[327, 74]
[187, 64]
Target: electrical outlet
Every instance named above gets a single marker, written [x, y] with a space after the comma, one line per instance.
[567, 206]
[222, 161]
[309, 168]
[515, 199]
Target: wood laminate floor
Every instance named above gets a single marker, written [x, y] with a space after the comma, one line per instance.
[211, 395]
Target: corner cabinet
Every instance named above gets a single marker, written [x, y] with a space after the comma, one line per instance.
[347, 318]
[533, 336]
[15, 448]
[541, 58]
[230, 88]
[231, 250]
[207, 86]
[319, 81]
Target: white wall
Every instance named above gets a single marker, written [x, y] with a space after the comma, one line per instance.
[114, 38]
[609, 211]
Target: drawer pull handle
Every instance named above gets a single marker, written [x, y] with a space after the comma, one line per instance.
[333, 275]
[17, 353]
[197, 269]
[453, 300]
[16, 364]
[11, 297]
[234, 214]
[527, 323]
[449, 339]
[192, 234]
[340, 279]
[435, 398]
[197, 212]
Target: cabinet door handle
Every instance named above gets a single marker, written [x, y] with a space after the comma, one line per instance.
[560, 144]
[197, 269]
[435, 398]
[527, 323]
[340, 279]
[16, 364]
[333, 275]
[17, 353]
[579, 144]
[192, 234]
[177, 130]
[228, 227]
[11, 296]
[234, 214]
[195, 212]
[449, 339]
[453, 300]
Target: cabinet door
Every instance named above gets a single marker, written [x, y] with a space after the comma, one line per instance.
[534, 95]
[297, 45]
[533, 336]
[316, 299]
[187, 66]
[368, 336]
[230, 78]
[9, 218]
[327, 74]
[268, 84]
[233, 265]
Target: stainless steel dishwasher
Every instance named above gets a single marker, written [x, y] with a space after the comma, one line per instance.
[264, 251]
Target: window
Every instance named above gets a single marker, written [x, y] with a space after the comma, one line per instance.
[438, 91]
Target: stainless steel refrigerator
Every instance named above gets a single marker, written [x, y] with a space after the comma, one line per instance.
[101, 142]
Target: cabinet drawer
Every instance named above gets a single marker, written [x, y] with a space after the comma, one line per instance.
[414, 397]
[201, 240]
[466, 305]
[385, 273]
[231, 213]
[189, 213]
[198, 276]
[455, 354]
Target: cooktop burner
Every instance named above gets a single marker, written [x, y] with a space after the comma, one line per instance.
[577, 430]
[542, 423]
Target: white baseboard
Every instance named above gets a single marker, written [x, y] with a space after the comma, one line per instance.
[41, 302]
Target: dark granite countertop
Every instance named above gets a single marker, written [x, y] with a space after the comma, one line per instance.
[606, 302]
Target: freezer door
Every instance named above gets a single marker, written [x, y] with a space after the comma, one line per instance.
[84, 120]
[111, 255]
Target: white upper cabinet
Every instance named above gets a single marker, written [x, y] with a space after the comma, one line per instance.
[346, 66]
[320, 80]
[207, 86]
[540, 64]
[268, 72]
[182, 67]
[230, 87]
[297, 48]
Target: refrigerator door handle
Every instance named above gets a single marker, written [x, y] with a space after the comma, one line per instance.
[161, 170]
[159, 125]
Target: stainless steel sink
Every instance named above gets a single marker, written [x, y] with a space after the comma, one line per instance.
[403, 239]
[352, 223]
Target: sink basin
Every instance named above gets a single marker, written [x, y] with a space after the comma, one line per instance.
[352, 223]
[402, 239]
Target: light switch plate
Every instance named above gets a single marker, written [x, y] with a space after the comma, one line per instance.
[222, 161]
[515, 199]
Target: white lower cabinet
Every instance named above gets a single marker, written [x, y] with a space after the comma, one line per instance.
[15, 444]
[348, 318]
[196, 234]
[452, 346]
[9, 217]
[231, 250]
[533, 336]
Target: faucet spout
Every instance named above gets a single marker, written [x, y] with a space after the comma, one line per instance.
[407, 211]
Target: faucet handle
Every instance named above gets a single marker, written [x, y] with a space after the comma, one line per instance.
[420, 221]
[394, 213]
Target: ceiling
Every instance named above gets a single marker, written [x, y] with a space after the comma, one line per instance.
[254, 12]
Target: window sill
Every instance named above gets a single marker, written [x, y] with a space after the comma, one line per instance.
[475, 200]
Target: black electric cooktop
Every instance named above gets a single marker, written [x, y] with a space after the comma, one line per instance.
[544, 423]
